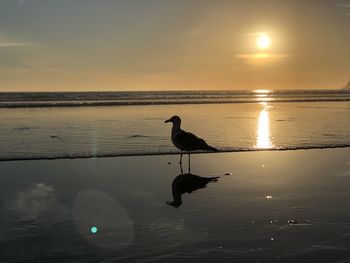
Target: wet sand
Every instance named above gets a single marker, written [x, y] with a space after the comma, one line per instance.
[115, 209]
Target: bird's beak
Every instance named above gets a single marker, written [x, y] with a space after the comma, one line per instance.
[167, 121]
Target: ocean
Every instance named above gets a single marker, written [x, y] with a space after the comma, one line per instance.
[267, 205]
[44, 125]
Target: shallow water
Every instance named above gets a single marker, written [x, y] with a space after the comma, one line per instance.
[48, 208]
[29, 133]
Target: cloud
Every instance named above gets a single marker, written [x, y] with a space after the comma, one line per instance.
[259, 59]
[255, 34]
[343, 5]
[21, 2]
[188, 34]
[185, 61]
[6, 41]
[13, 44]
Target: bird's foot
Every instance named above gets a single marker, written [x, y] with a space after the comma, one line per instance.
[173, 203]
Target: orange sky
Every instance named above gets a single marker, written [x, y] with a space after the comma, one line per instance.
[81, 45]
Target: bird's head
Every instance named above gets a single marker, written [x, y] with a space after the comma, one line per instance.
[175, 119]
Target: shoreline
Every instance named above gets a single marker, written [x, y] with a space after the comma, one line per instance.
[171, 153]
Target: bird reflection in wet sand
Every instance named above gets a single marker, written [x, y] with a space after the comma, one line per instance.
[186, 141]
[187, 183]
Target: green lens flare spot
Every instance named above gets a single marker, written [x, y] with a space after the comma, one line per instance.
[93, 230]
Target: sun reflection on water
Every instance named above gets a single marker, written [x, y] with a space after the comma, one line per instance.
[262, 91]
[263, 138]
[262, 95]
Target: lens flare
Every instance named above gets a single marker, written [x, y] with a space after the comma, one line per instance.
[93, 230]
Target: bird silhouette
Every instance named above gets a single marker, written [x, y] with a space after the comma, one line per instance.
[186, 141]
[188, 183]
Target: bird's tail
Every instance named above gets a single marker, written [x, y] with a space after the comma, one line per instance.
[210, 148]
[214, 178]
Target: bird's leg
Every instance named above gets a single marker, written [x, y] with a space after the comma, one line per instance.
[189, 162]
[182, 172]
[180, 158]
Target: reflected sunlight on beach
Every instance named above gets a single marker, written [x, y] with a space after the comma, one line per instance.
[263, 138]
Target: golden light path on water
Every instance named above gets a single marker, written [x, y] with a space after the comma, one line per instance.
[263, 138]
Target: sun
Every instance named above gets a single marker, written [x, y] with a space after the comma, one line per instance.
[263, 41]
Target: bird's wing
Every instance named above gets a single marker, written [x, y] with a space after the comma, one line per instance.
[190, 141]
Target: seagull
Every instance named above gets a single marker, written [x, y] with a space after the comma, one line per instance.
[186, 141]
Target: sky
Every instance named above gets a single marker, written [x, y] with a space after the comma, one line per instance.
[116, 45]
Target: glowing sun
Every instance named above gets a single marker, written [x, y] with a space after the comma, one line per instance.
[263, 41]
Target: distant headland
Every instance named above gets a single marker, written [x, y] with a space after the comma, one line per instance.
[347, 86]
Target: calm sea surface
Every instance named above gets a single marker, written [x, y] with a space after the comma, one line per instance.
[50, 125]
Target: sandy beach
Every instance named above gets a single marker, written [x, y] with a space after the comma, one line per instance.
[285, 206]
